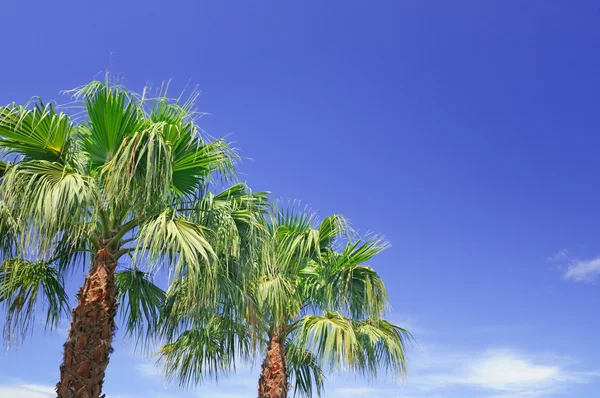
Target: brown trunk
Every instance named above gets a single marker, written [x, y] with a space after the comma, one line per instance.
[88, 346]
[273, 377]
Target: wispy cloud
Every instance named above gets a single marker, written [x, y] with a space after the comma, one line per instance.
[355, 392]
[576, 270]
[148, 370]
[583, 270]
[27, 391]
[560, 255]
[497, 372]
[509, 371]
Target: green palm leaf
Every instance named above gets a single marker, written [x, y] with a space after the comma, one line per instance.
[206, 351]
[38, 133]
[382, 345]
[330, 336]
[113, 115]
[140, 302]
[305, 370]
[22, 285]
[354, 288]
[48, 199]
[169, 239]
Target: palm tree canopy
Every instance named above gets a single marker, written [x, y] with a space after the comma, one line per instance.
[312, 287]
[123, 171]
[316, 291]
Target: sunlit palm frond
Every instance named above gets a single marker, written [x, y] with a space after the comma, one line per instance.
[277, 298]
[365, 346]
[361, 250]
[293, 218]
[382, 346]
[305, 372]
[169, 239]
[48, 199]
[332, 228]
[172, 111]
[206, 351]
[25, 284]
[140, 303]
[36, 133]
[329, 336]
[233, 219]
[8, 232]
[183, 311]
[140, 172]
[196, 162]
[194, 158]
[358, 291]
[354, 288]
[113, 114]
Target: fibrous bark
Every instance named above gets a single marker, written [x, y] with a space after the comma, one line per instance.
[273, 378]
[88, 346]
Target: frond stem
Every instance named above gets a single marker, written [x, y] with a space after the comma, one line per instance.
[95, 241]
[105, 224]
[128, 226]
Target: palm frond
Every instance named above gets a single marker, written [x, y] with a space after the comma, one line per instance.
[332, 228]
[233, 219]
[24, 285]
[305, 372]
[207, 351]
[38, 133]
[140, 172]
[329, 336]
[50, 200]
[362, 250]
[113, 114]
[8, 232]
[140, 303]
[277, 298]
[354, 288]
[365, 346]
[172, 110]
[195, 161]
[169, 239]
[382, 345]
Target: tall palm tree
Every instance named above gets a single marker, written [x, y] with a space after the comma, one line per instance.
[127, 181]
[322, 306]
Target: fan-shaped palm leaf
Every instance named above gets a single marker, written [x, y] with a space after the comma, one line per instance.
[22, 285]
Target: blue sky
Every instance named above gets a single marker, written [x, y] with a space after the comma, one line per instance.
[465, 131]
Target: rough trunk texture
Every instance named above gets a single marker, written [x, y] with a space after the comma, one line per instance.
[273, 378]
[88, 346]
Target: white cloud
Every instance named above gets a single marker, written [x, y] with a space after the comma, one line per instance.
[27, 391]
[560, 255]
[356, 392]
[583, 270]
[148, 370]
[508, 371]
[503, 373]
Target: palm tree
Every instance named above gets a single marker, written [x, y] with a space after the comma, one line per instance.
[313, 307]
[323, 308]
[125, 182]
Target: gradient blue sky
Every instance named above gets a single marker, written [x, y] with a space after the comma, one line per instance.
[465, 131]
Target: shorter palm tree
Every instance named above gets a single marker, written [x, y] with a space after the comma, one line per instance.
[322, 307]
[312, 309]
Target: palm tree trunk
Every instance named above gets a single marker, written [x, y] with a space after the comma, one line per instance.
[88, 346]
[273, 378]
